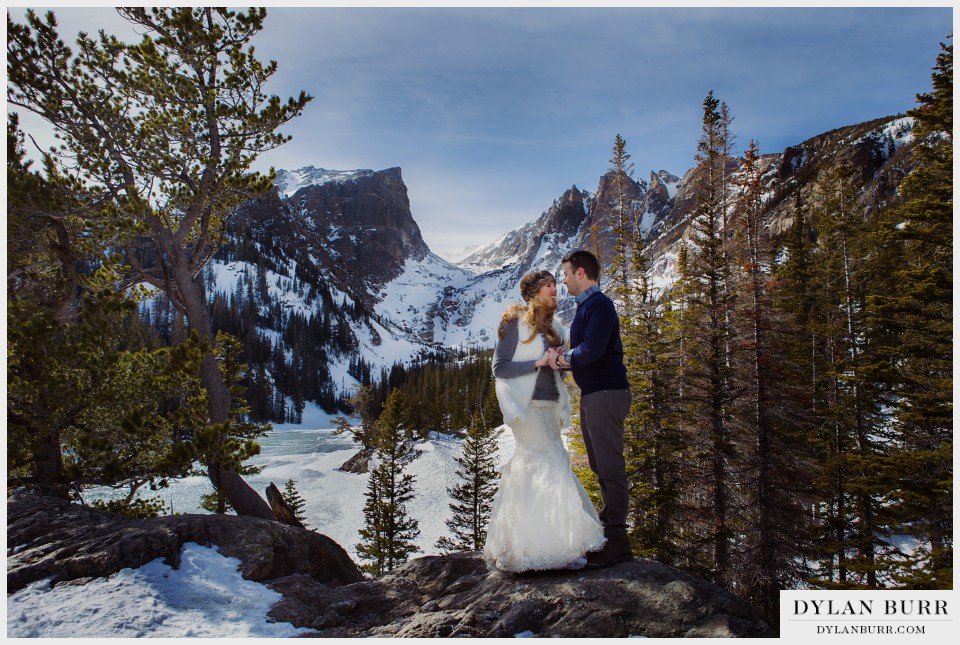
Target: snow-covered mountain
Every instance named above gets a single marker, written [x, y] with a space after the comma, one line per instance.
[341, 249]
[288, 182]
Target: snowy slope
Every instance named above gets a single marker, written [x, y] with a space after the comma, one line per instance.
[429, 302]
[288, 182]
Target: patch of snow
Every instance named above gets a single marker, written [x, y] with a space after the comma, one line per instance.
[205, 597]
[289, 182]
[671, 187]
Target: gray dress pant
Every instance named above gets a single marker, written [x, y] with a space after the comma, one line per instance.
[601, 422]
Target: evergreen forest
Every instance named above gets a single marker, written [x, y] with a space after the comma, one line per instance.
[792, 415]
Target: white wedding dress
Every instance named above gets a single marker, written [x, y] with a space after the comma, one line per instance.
[541, 517]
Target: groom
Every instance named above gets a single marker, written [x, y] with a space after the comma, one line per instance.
[597, 364]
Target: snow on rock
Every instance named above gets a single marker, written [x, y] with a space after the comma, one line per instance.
[900, 131]
[205, 597]
[289, 182]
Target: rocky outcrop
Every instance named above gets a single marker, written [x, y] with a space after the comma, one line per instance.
[354, 227]
[605, 209]
[358, 463]
[433, 596]
[53, 537]
[371, 213]
[539, 244]
[455, 595]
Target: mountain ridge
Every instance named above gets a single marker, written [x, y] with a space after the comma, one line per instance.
[340, 252]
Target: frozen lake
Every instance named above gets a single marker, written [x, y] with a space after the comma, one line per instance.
[334, 499]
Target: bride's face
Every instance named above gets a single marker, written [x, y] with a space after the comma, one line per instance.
[548, 292]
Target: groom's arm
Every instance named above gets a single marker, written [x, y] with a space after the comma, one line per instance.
[598, 325]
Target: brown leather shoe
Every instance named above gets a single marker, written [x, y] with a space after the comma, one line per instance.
[615, 551]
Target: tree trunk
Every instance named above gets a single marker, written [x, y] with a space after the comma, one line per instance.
[244, 499]
[47, 452]
[281, 509]
[48, 464]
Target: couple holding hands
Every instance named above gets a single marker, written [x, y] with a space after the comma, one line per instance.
[541, 517]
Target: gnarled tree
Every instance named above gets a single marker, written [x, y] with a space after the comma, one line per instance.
[166, 129]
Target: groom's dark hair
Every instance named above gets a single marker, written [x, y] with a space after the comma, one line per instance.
[584, 260]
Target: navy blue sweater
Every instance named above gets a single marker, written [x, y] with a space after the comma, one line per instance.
[597, 355]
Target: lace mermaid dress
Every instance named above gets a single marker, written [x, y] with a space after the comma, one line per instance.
[541, 516]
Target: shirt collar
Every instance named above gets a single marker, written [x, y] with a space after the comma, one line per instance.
[587, 293]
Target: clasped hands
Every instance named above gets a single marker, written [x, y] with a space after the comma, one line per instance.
[551, 358]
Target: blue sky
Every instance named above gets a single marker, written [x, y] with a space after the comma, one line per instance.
[493, 112]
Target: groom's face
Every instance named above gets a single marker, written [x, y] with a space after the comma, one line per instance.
[573, 279]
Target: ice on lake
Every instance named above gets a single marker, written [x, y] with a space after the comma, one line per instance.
[334, 499]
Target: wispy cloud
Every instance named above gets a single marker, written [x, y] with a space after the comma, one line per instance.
[494, 112]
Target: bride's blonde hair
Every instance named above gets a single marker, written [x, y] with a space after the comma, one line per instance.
[537, 312]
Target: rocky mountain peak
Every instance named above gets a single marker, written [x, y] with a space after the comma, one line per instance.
[288, 182]
[538, 244]
[566, 214]
[604, 209]
[663, 186]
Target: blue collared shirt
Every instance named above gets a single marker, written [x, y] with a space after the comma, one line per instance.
[589, 291]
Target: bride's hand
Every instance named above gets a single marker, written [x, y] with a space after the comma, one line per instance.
[544, 360]
[554, 353]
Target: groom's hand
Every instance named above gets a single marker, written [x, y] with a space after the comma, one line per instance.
[554, 353]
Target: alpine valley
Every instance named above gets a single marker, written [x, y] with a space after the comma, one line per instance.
[327, 277]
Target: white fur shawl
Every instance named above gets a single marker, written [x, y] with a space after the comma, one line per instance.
[515, 394]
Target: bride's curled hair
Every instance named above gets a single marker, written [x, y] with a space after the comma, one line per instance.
[537, 312]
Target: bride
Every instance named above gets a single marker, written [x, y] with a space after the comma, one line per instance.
[541, 517]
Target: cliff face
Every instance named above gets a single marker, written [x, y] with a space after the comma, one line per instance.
[367, 219]
[445, 596]
[356, 229]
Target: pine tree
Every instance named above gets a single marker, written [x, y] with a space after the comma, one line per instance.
[769, 415]
[388, 533]
[165, 131]
[621, 265]
[914, 302]
[473, 497]
[124, 411]
[293, 498]
[648, 449]
[668, 506]
[708, 391]
[853, 443]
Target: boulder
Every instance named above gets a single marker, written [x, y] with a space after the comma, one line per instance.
[323, 590]
[456, 595]
[53, 537]
[358, 463]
